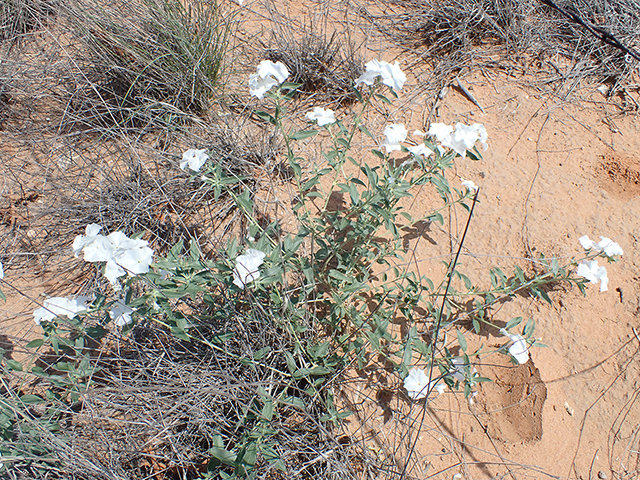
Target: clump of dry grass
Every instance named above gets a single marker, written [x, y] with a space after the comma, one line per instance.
[146, 64]
[457, 35]
[326, 66]
[18, 17]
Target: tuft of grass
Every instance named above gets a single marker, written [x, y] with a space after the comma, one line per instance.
[147, 63]
[323, 64]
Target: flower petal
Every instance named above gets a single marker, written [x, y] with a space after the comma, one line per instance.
[277, 70]
[420, 150]
[322, 116]
[395, 134]
[194, 159]
[120, 313]
[469, 185]
[247, 267]
[609, 247]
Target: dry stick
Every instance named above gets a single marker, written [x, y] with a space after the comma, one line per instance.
[525, 236]
[437, 331]
[469, 95]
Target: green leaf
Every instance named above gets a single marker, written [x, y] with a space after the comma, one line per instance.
[244, 201]
[38, 342]
[221, 337]
[339, 276]
[195, 251]
[383, 99]
[476, 325]
[462, 341]
[290, 85]
[364, 130]
[222, 456]
[266, 117]
[514, 322]
[31, 399]
[317, 370]
[303, 134]
[14, 365]
[267, 410]
[529, 328]
[358, 94]
[261, 353]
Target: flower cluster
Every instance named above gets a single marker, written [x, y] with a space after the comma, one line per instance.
[269, 75]
[460, 139]
[605, 245]
[60, 307]
[246, 269]
[589, 269]
[390, 75]
[123, 255]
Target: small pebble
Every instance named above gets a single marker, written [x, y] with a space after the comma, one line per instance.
[602, 475]
[568, 409]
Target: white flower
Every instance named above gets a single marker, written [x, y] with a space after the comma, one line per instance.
[469, 185]
[247, 265]
[390, 75]
[120, 313]
[128, 256]
[322, 116]
[269, 75]
[58, 307]
[91, 232]
[194, 159]
[277, 70]
[395, 134]
[259, 86]
[420, 149]
[441, 131]
[122, 254]
[461, 139]
[587, 243]
[606, 245]
[417, 384]
[590, 270]
[418, 133]
[609, 247]
[1, 271]
[519, 350]
[467, 136]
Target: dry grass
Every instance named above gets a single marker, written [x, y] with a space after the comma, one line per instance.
[158, 404]
[18, 17]
[526, 36]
